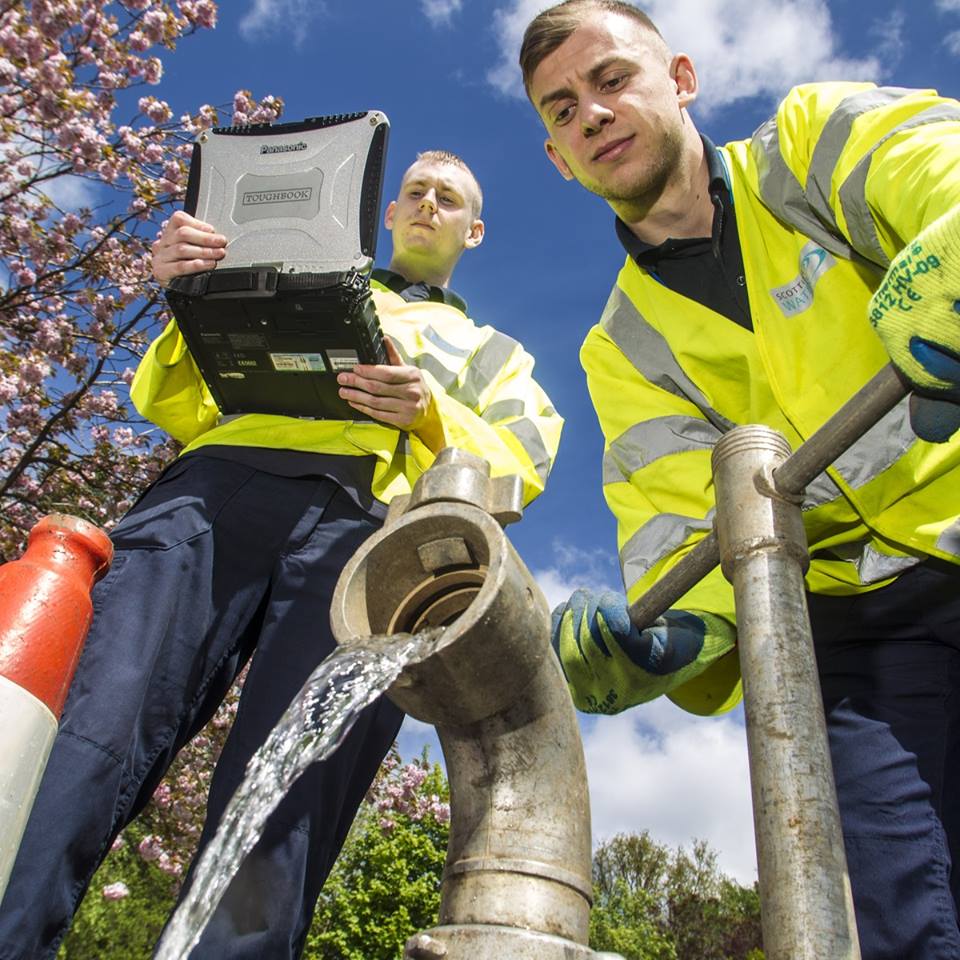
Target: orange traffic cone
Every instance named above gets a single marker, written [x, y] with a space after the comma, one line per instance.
[45, 612]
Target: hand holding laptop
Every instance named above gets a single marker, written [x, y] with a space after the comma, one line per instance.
[395, 393]
[186, 245]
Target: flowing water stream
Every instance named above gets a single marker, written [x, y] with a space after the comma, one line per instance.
[311, 729]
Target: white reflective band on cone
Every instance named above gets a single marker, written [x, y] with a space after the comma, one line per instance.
[27, 731]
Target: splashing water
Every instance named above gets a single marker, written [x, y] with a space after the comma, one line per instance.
[311, 729]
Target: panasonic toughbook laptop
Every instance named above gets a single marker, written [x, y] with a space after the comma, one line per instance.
[289, 305]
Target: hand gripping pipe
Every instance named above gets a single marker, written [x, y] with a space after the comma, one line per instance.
[517, 881]
[45, 612]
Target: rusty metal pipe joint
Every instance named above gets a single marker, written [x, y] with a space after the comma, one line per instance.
[517, 881]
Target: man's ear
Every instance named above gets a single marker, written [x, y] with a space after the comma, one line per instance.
[685, 76]
[554, 154]
[388, 216]
[474, 235]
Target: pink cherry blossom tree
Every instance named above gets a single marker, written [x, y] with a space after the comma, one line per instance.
[90, 165]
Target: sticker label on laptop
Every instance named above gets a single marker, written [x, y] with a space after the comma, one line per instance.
[247, 341]
[298, 362]
[343, 359]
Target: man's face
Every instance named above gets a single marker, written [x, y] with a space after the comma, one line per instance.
[611, 100]
[432, 218]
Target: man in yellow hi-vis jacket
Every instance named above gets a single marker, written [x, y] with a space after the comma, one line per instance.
[765, 282]
[233, 555]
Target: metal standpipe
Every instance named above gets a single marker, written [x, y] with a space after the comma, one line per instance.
[805, 897]
[517, 880]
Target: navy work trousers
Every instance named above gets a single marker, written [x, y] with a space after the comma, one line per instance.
[217, 564]
[889, 663]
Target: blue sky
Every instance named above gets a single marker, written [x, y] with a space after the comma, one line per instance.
[443, 71]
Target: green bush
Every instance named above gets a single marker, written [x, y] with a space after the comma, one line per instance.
[386, 883]
[125, 928]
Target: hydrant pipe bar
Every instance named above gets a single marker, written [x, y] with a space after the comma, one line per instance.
[862, 411]
[877, 398]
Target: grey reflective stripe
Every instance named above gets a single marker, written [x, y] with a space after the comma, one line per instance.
[807, 207]
[782, 193]
[446, 378]
[879, 448]
[484, 368]
[949, 540]
[819, 491]
[872, 564]
[526, 432]
[403, 445]
[502, 410]
[830, 146]
[427, 361]
[650, 353]
[650, 440]
[656, 539]
[430, 334]
[853, 201]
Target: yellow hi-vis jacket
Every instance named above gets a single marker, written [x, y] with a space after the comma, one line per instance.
[481, 381]
[825, 195]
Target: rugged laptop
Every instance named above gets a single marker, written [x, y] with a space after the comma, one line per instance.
[289, 305]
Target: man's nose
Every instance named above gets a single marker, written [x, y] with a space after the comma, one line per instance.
[594, 117]
[429, 200]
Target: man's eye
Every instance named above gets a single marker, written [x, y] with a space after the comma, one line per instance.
[563, 115]
[613, 82]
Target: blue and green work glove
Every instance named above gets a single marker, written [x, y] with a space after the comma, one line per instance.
[916, 312]
[611, 665]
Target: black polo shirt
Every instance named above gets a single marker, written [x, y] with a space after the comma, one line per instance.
[414, 292]
[706, 269]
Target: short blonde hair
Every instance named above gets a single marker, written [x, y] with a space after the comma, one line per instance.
[452, 160]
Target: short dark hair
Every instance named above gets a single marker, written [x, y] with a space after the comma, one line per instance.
[451, 159]
[551, 28]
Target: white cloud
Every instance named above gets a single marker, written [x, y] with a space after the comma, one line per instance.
[656, 768]
[952, 42]
[681, 777]
[67, 191]
[71, 192]
[440, 12]
[949, 5]
[571, 568]
[508, 24]
[741, 48]
[273, 16]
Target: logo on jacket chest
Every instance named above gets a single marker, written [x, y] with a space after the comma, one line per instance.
[794, 297]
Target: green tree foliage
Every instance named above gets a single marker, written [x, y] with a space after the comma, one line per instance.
[386, 884]
[627, 921]
[130, 899]
[384, 887]
[651, 903]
